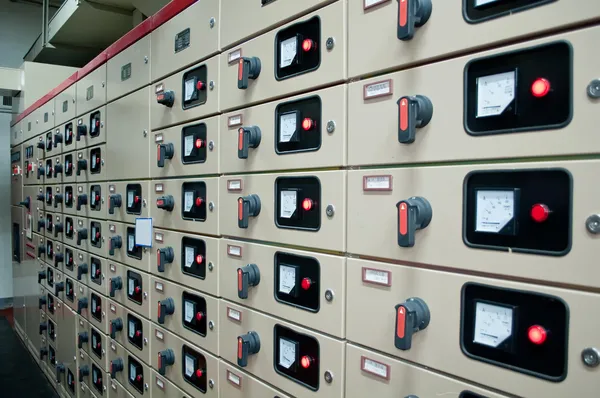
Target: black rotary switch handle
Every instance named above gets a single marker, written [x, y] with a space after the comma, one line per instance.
[43, 326]
[412, 316]
[41, 224]
[82, 337]
[41, 275]
[412, 14]
[41, 144]
[248, 68]
[59, 287]
[41, 302]
[248, 206]
[116, 283]
[82, 234]
[41, 197]
[413, 214]
[41, 250]
[81, 269]
[115, 367]
[84, 371]
[248, 137]
[43, 353]
[247, 344]
[58, 258]
[40, 171]
[58, 198]
[164, 256]
[115, 243]
[81, 131]
[164, 151]
[116, 325]
[166, 98]
[114, 201]
[81, 304]
[81, 165]
[165, 307]
[58, 139]
[58, 228]
[165, 202]
[165, 358]
[82, 200]
[60, 368]
[26, 203]
[414, 112]
[248, 275]
[57, 169]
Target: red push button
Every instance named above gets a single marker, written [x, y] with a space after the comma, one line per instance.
[307, 124]
[199, 373]
[306, 283]
[199, 259]
[138, 290]
[307, 204]
[539, 212]
[306, 361]
[540, 87]
[199, 316]
[308, 45]
[200, 85]
[199, 143]
[199, 201]
[537, 334]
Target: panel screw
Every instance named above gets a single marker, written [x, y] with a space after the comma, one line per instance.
[329, 295]
[145, 133]
[330, 210]
[330, 126]
[146, 386]
[211, 84]
[593, 89]
[211, 383]
[103, 351]
[211, 325]
[101, 124]
[593, 224]
[210, 266]
[144, 202]
[328, 377]
[145, 295]
[211, 145]
[145, 341]
[103, 84]
[330, 43]
[102, 200]
[211, 206]
[145, 59]
[102, 162]
[212, 23]
[74, 357]
[590, 357]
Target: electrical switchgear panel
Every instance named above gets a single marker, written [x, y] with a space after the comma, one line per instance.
[298, 49]
[194, 368]
[135, 331]
[193, 256]
[297, 356]
[134, 287]
[297, 281]
[476, 11]
[194, 87]
[193, 143]
[298, 126]
[194, 313]
[298, 203]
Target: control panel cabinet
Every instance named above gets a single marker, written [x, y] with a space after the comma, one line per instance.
[58, 200]
[97, 165]
[16, 175]
[191, 368]
[91, 376]
[186, 259]
[128, 139]
[297, 360]
[529, 99]
[98, 349]
[117, 390]
[97, 310]
[190, 314]
[90, 128]
[130, 330]
[525, 334]
[163, 388]
[46, 117]
[66, 367]
[303, 287]
[236, 383]
[72, 292]
[91, 90]
[69, 160]
[130, 288]
[386, 34]
[96, 272]
[128, 370]
[540, 225]
[309, 52]
[121, 246]
[64, 105]
[305, 131]
[186, 95]
[128, 200]
[128, 70]
[189, 149]
[302, 209]
[188, 37]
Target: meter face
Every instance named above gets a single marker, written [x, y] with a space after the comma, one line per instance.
[495, 93]
[493, 324]
[495, 210]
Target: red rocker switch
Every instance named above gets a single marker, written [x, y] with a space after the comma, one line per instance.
[248, 137]
[413, 113]
[411, 14]
[413, 214]
[412, 316]
[248, 206]
[248, 275]
[248, 68]
[248, 344]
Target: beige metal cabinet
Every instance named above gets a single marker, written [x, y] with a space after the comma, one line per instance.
[327, 314]
[195, 315]
[330, 233]
[129, 70]
[188, 37]
[128, 200]
[237, 321]
[438, 346]
[130, 288]
[69, 162]
[97, 349]
[97, 165]
[97, 310]
[130, 330]
[70, 235]
[379, 111]
[82, 233]
[91, 128]
[64, 105]
[188, 200]
[276, 126]
[16, 176]
[163, 388]
[187, 361]
[58, 201]
[133, 370]
[236, 383]
[373, 43]
[190, 156]
[68, 135]
[97, 272]
[94, 382]
[128, 139]
[373, 223]
[118, 391]
[46, 116]
[91, 90]
[178, 112]
[183, 267]
[123, 235]
[240, 21]
[331, 69]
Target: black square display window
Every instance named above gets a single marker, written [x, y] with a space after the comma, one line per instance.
[49, 223]
[96, 197]
[69, 227]
[476, 11]
[193, 143]
[298, 49]
[134, 287]
[49, 142]
[96, 270]
[134, 198]
[298, 126]
[68, 134]
[193, 198]
[95, 161]
[97, 379]
[297, 281]
[69, 196]
[95, 124]
[50, 303]
[96, 343]
[194, 313]
[298, 203]
[68, 165]
[49, 195]
[51, 330]
[497, 324]
[69, 290]
[51, 355]
[135, 373]
[50, 277]
[194, 368]
[523, 90]
[71, 381]
[96, 310]
[49, 168]
[96, 234]
[135, 331]
[193, 255]
[69, 259]
[296, 356]
[49, 250]
[133, 250]
[194, 87]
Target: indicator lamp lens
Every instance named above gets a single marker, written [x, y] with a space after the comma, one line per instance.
[305, 361]
[307, 204]
[307, 124]
[539, 212]
[537, 334]
[307, 45]
[199, 373]
[199, 201]
[199, 259]
[199, 143]
[306, 283]
[199, 316]
[540, 87]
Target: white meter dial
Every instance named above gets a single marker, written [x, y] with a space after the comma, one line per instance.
[493, 324]
[287, 51]
[495, 210]
[495, 93]
[287, 126]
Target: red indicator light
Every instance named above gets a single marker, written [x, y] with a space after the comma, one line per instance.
[138, 333]
[97, 160]
[98, 309]
[308, 44]
[138, 378]
[136, 199]
[98, 346]
[199, 201]
[307, 204]
[306, 283]
[539, 212]
[540, 87]
[138, 289]
[97, 235]
[199, 316]
[98, 271]
[199, 143]
[537, 334]
[200, 85]
[307, 124]
[199, 373]
[199, 259]
[305, 361]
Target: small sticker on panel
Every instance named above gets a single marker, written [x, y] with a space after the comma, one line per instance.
[159, 88]
[234, 56]
[190, 253]
[112, 228]
[159, 335]
[160, 383]
[111, 189]
[234, 185]
[288, 204]
[188, 145]
[113, 309]
[375, 368]
[234, 314]
[235, 120]
[189, 311]
[113, 268]
[372, 3]
[188, 201]
[158, 138]
[376, 276]
[159, 187]
[234, 379]
[287, 278]
[131, 243]
[378, 89]
[377, 183]
[235, 251]
[158, 237]
[158, 286]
